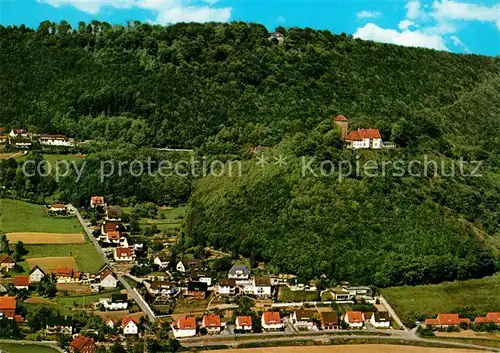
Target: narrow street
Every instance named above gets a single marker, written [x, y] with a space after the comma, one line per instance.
[132, 292]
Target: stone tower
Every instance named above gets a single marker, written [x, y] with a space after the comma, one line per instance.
[341, 122]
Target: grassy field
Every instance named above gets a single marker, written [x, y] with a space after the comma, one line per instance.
[286, 295]
[86, 256]
[46, 238]
[413, 303]
[50, 264]
[168, 218]
[19, 216]
[26, 348]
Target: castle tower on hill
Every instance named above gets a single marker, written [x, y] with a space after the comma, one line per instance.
[341, 121]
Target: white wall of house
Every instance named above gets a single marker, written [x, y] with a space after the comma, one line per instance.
[130, 329]
[180, 267]
[36, 276]
[178, 333]
[382, 324]
[262, 290]
[276, 326]
[226, 290]
[109, 282]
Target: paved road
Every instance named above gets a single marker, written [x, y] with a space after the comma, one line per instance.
[132, 292]
[392, 312]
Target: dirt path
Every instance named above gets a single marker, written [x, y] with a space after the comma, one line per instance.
[364, 348]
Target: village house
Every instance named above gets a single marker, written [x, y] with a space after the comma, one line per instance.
[360, 292]
[446, 320]
[162, 260]
[188, 264]
[124, 255]
[6, 263]
[97, 201]
[340, 294]
[226, 287]
[271, 321]
[244, 323]
[58, 209]
[36, 274]
[113, 237]
[303, 319]
[8, 307]
[55, 140]
[116, 302]
[490, 318]
[109, 323]
[108, 227]
[380, 319]
[4, 138]
[211, 323]
[67, 275]
[262, 286]
[59, 324]
[202, 276]
[114, 214]
[21, 282]
[107, 277]
[329, 320]
[277, 36]
[130, 326]
[197, 290]
[82, 344]
[19, 133]
[354, 319]
[281, 279]
[162, 288]
[239, 272]
[184, 327]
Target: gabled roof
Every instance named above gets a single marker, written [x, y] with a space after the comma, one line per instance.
[340, 118]
[105, 271]
[186, 323]
[271, 317]
[127, 320]
[244, 320]
[64, 271]
[227, 282]
[353, 317]
[329, 318]
[447, 319]
[382, 316]
[7, 303]
[360, 134]
[262, 281]
[211, 320]
[59, 321]
[21, 281]
[97, 199]
[114, 235]
[123, 252]
[491, 317]
[110, 227]
[81, 341]
[58, 205]
[36, 268]
[239, 268]
[304, 315]
[114, 212]
[6, 259]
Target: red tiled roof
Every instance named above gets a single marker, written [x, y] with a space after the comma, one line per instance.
[354, 316]
[81, 341]
[7, 303]
[340, 118]
[123, 252]
[271, 317]
[21, 281]
[97, 199]
[58, 205]
[244, 320]
[447, 319]
[109, 227]
[431, 322]
[186, 323]
[64, 271]
[491, 317]
[127, 319]
[19, 319]
[6, 259]
[360, 134]
[211, 320]
[114, 235]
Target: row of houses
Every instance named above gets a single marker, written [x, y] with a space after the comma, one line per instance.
[446, 320]
[22, 139]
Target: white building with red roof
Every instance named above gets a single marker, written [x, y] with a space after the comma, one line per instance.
[211, 323]
[124, 255]
[490, 318]
[446, 320]
[244, 323]
[271, 320]
[364, 138]
[355, 319]
[130, 326]
[184, 326]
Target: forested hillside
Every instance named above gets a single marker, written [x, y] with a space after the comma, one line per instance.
[222, 88]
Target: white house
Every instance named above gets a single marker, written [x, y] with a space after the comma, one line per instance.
[202, 276]
[129, 326]
[303, 319]
[380, 320]
[184, 327]
[271, 321]
[226, 287]
[355, 319]
[18, 133]
[211, 323]
[116, 302]
[244, 323]
[36, 274]
[188, 264]
[124, 255]
[262, 286]
[107, 278]
[239, 272]
[161, 260]
[109, 323]
[113, 237]
[364, 138]
[162, 288]
[55, 140]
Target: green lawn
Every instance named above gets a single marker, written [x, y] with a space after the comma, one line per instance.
[287, 295]
[19, 216]
[26, 348]
[415, 303]
[86, 256]
[166, 219]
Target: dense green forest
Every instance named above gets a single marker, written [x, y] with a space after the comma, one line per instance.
[222, 88]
